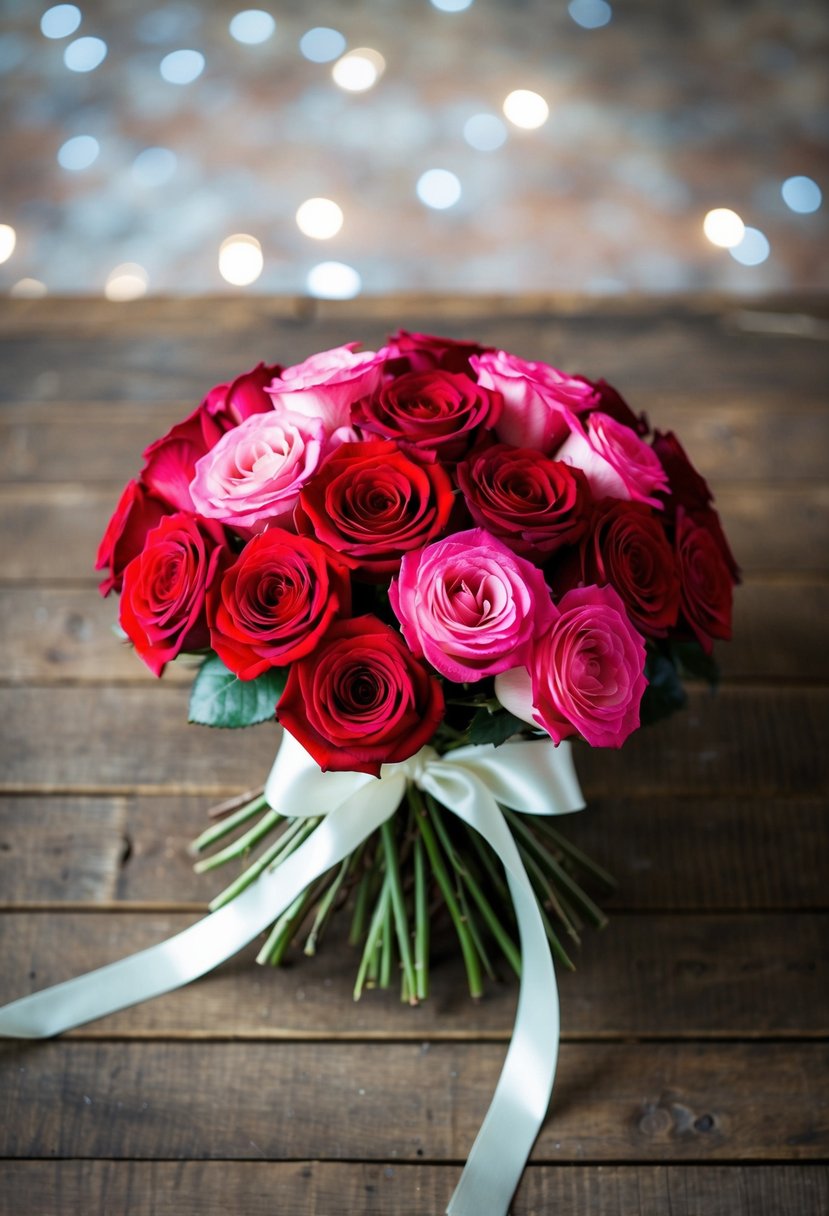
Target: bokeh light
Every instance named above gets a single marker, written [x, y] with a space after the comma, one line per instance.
[359, 69]
[590, 14]
[8, 240]
[801, 194]
[333, 281]
[319, 218]
[182, 67]
[526, 109]
[28, 289]
[240, 259]
[438, 188]
[154, 166]
[78, 153]
[452, 6]
[129, 281]
[485, 132]
[85, 54]
[252, 26]
[60, 21]
[322, 44]
[753, 249]
[723, 227]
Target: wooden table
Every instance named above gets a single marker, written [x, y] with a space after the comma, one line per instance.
[693, 1072]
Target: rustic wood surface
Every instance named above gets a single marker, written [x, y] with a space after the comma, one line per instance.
[693, 1072]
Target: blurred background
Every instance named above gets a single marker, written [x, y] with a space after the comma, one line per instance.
[453, 146]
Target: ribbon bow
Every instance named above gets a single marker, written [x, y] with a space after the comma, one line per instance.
[533, 777]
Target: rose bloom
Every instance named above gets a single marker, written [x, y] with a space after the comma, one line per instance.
[470, 605]
[163, 595]
[586, 673]
[431, 414]
[371, 504]
[707, 579]
[611, 402]
[537, 399]
[615, 461]
[361, 699]
[326, 385]
[275, 601]
[232, 403]
[254, 474]
[413, 352]
[533, 503]
[137, 513]
[627, 548]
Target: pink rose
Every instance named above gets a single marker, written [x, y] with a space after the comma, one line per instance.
[615, 461]
[327, 384]
[537, 399]
[586, 674]
[469, 605]
[254, 474]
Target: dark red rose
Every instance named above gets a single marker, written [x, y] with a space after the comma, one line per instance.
[612, 402]
[232, 403]
[707, 580]
[275, 601]
[627, 548]
[371, 504]
[163, 595]
[170, 462]
[432, 414]
[408, 352]
[138, 511]
[361, 699]
[533, 503]
[689, 490]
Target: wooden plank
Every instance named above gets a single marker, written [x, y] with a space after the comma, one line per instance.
[731, 441]
[654, 976]
[742, 741]
[51, 532]
[666, 853]
[258, 1188]
[66, 635]
[658, 1102]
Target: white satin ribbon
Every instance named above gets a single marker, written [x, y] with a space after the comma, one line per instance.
[532, 777]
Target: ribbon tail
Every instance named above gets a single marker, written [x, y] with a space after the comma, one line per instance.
[212, 940]
[519, 1105]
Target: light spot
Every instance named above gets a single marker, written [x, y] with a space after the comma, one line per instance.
[182, 67]
[28, 289]
[359, 69]
[252, 26]
[8, 240]
[78, 153]
[438, 188]
[240, 259]
[452, 6]
[333, 281]
[85, 54]
[322, 44]
[485, 132]
[753, 248]
[723, 227]
[60, 21]
[801, 194]
[154, 166]
[526, 109]
[319, 218]
[590, 14]
[128, 281]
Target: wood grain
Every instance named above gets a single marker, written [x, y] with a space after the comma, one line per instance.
[393, 1188]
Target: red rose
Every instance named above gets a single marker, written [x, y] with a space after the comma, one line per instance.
[163, 596]
[407, 352]
[689, 490]
[274, 603]
[232, 403]
[371, 504]
[533, 503]
[707, 579]
[361, 699]
[138, 511]
[628, 549]
[432, 414]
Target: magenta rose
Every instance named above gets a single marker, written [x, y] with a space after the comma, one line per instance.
[627, 548]
[371, 504]
[470, 605]
[611, 402]
[707, 579]
[537, 399]
[413, 352]
[533, 503]
[162, 609]
[430, 414]
[326, 385]
[253, 476]
[137, 513]
[232, 403]
[615, 461]
[273, 603]
[586, 673]
[361, 699]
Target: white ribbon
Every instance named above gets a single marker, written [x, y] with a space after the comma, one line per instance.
[533, 777]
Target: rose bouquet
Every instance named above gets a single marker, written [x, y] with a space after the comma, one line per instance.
[434, 565]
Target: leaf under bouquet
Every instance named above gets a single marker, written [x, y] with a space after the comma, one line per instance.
[435, 565]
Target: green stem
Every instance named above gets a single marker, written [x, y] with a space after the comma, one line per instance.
[582, 901]
[581, 859]
[372, 938]
[544, 892]
[361, 903]
[401, 921]
[460, 875]
[291, 839]
[421, 950]
[242, 845]
[386, 948]
[325, 905]
[507, 945]
[283, 931]
[227, 825]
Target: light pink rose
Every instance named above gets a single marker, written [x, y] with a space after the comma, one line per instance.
[537, 399]
[327, 384]
[254, 474]
[586, 674]
[615, 461]
[469, 605]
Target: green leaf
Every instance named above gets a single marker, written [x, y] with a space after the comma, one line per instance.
[694, 663]
[494, 728]
[664, 693]
[220, 698]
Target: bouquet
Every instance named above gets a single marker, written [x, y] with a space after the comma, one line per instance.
[434, 565]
